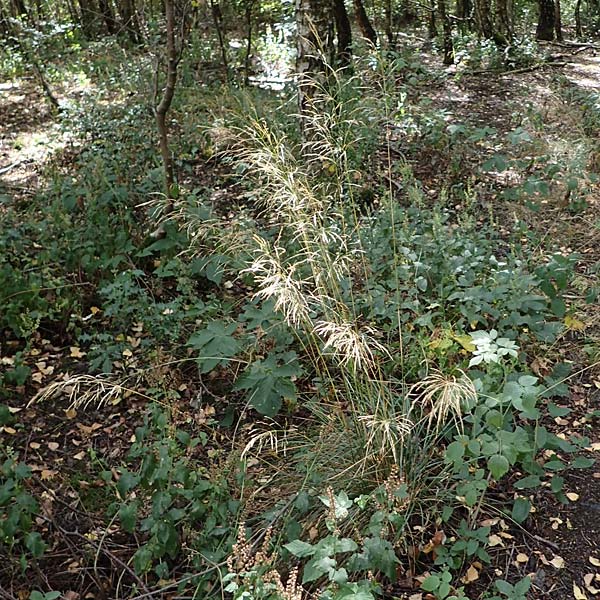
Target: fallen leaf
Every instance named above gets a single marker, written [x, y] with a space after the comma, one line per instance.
[594, 561]
[471, 575]
[34, 445]
[53, 446]
[558, 562]
[522, 558]
[48, 474]
[70, 413]
[572, 496]
[79, 455]
[9, 430]
[577, 593]
[495, 540]
[76, 352]
[13, 409]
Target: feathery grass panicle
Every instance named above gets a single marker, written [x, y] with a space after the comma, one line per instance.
[84, 390]
[352, 346]
[445, 395]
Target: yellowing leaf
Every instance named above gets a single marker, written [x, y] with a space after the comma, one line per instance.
[577, 593]
[94, 310]
[573, 323]
[465, 341]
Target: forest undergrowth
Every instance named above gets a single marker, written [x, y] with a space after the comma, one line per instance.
[360, 360]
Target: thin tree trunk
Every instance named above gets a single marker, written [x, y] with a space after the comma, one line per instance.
[447, 33]
[363, 22]
[165, 103]
[504, 20]
[578, 29]
[218, 21]
[344, 33]
[389, 33]
[249, 7]
[431, 21]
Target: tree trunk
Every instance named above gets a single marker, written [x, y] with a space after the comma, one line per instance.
[557, 21]
[129, 20]
[578, 28]
[447, 33]
[218, 21]
[363, 22]
[463, 15]
[503, 24]
[483, 19]
[165, 103]
[314, 47]
[108, 17]
[344, 33]
[248, 10]
[431, 21]
[389, 28]
[545, 26]
[88, 12]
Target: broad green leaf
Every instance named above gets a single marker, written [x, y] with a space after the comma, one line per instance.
[498, 465]
[521, 509]
[300, 549]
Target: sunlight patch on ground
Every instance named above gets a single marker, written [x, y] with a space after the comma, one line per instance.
[585, 73]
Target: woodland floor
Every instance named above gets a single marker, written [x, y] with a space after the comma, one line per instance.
[54, 441]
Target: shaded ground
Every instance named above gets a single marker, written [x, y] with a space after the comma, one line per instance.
[57, 441]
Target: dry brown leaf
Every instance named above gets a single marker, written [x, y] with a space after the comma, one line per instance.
[48, 474]
[8, 430]
[471, 575]
[70, 413]
[495, 540]
[34, 445]
[76, 352]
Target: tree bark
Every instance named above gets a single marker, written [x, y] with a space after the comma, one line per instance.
[165, 104]
[503, 25]
[218, 21]
[557, 21]
[363, 22]
[483, 19]
[578, 28]
[447, 33]
[344, 33]
[248, 10]
[108, 16]
[545, 26]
